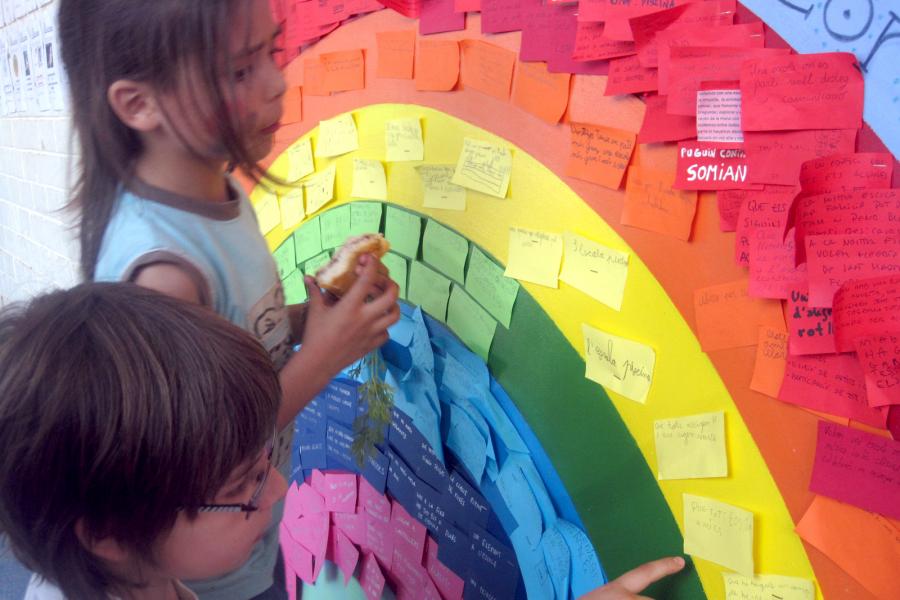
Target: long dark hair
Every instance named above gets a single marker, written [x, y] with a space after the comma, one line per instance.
[119, 406]
[143, 40]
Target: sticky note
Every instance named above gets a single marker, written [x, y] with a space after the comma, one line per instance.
[314, 77]
[440, 191]
[292, 106]
[316, 262]
[439, 17]
[486, 283]
[767, 587]
[540, 92]
[445, 250]
[832, 260]
[319, 189]
[429, 289]
[771, 354]
[660, 126]
[864, 307]
[365, 217]
[268, 213]
[437, 65]
[487, 68]
[591, 44]
[396, 53]
[810, 328]
[719, 532]
[403, 140]
[879, 355]
[335, 226]
[691, 447]
[403, 229]
[773, 273]
[344, 70]
[483, 167]
[599, 154]
[587, 574]
[628, 76]
[652, 203]
[294, 288]
[596, 270]
[291, 205]
[846, 172]
[397, 267]
[337, 136]
[371, 579]
[775, 156]
[368, 179]
[284, 258]
[622, 365]
[308, 240]
[727, 317]
[474, 325]
[590, 103]
[767, 209]
[300, 160]
[345, 554]
[711, 166]
[534, 256]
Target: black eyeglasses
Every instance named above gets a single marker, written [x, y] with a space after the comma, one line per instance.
[252, 504]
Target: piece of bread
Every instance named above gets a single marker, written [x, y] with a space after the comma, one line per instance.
[338, 274]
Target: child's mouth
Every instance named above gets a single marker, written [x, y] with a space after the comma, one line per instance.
[271, 128]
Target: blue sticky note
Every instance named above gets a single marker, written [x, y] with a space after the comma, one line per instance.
[464, 503]
[536, 483]
[401, 481]
[430, 467]
[338, 440]
[498, 505]
[559, 560]
[375, 469]
[340, 398]
[402, 331]
[515, 490]
[493, 571]
[312, 450]
[535, 573]
[466, 442]
[429, 508]
[587, 573]
[454, 548]
[312, 417]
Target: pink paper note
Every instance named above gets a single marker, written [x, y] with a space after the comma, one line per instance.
[352, 525]
[549, 34]
[467, 5]
[371, 578]
[409, 534]
[345, 554]
[590, 44]
[627, 76]
[858, 468]
[380, 540]
[835, 259]
[604, 10]
[864, 307]
[295, 555]
[846, 172]
[340, 492]
[439, 16]
[290, 580]
[498, 16]
[775, 156]
[311, 499]
[660, 126]
[409, 575]
[810, 327]
[447, 582]
[646, 27]
[293, 507]
[311, 531]
[730, 202]
[373, 502]
[772, 270]
[880, 359]
[762, 209]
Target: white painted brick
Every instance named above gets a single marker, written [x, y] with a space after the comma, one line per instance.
[62, 130]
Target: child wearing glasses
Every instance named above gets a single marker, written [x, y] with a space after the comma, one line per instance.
[136, 434]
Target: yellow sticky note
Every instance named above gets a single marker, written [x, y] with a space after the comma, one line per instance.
[624, 366]
[484, 167]
[719, 532]
[300, 160]
[291, 207]
[267, 213]
[319, 189]
[767, 587]
[369, 180]
[691, 447]
[596, 270]
[337, 136]
[534, 256]
[403, 140]
[440, 192]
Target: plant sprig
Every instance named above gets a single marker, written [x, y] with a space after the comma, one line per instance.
[369, 427]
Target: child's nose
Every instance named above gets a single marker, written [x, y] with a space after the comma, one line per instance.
[275, 83]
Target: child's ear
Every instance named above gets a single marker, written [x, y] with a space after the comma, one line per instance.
[135, 104]
[107, 549]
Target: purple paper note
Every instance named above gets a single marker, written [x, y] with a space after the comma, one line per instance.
[438, 16]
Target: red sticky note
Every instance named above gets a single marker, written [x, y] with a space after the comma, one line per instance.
[879, 356]
[660, 126]
[345, 555]
[487, 68]
[644, 28]
[371, 579]
[540, 92]
[845, 172]
[762, 209]
[858, 468]
[771, 354]
[409, 534]
[343, 70]
[865, 307]
[353, 525]
[775, 156]
[832, 260]
[604, 10]
[803, 91]
[711, 166]
[439, 16]
[295, 555]
[730, 202]
[652, 203]
[628, 76]
[540, 32]
[810, 328]
[728, 317]
[292, 103]
[829, 383]
[407, 8]
[396, 54]
[590, 44]
[499, 16]
[772, 270]
[437, 65]
[599, 154]
[447, 582]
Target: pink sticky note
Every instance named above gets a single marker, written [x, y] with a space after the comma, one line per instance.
[439, 16]
[776, 156]
[339, 492]
[773, 273]
[409, 534]
[810, 328]
[345, 554]
[311, 531]
[371, 578]
[591, 44]
[645, 28]
[352, 525]
[448, 583]
[373, 502]
[858, 468]
[380, 539]
[879, 356]
[295, 555]
[730, 202]
[628, 76]
[311, 501]
[762, 209]
[845, 172]
[832, 260]
[293, 507]
[660, 126]
[409, 575]
[499, 16]
[864, 307]
[290, 580]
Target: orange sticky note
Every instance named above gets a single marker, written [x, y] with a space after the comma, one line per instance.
[728, 317]
[652, 204]
[771, 353]
[314, 77]
[437, 65]
[292, 106]
[540, 92]
[343, 70]
[487, 68]
[396, 53]
[599, 154]
[590, 104]
[864, 544]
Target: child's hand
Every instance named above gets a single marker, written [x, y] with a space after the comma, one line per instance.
[632, 583]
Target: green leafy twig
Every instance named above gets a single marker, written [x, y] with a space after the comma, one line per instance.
[369, 427]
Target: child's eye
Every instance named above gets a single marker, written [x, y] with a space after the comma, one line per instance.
[243, 73]
[276, 50]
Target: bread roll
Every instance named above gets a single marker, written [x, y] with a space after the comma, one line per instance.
[338, 275]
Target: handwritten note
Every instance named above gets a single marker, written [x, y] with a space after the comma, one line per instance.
[343, 70]
[864, 307]
[644, 28]
[403, 230]
[308, 240]
[845, 172]
[429, 289]
[880, 358]
[335, 226]
[337, 136]
[268, 213]
[661, 126]
[437, 65]
[291, 204]
[319, 189]
[729, 203]
[765, 209]
[396, 54]
[591, 44]
[300, 160]
[719, 116]
[371, 579]
[719, 532]
[652, 203]
[474, 325]
[445, 250]
[810, 328]
[487, 68]
[691, 447]
[622, 365]
[771, 353]
[365, 217]
[398, 270]
[590, 103]
[728, 317]
[775, 156]
[440, 17]
[772, 270]
[628, 76]
[596, 270]
[314, 77]
[440, 191]
[711, 166]
[368, 179]
[767, 587]
[540, 92]
[483, 167]
[285, 259]
[403, 140]
[534, 256]
[486, 283]
[599, 154]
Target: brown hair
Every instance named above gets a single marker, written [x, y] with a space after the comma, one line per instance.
[118, 407]
[152, 41]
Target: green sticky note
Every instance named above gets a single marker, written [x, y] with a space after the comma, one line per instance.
[312, 265]
[445, 250]
[470, 322]
[398, 268]
[486, 283]
[308, 240]
[365, 217]
[294, 289]
[335, 225]
[284, 258]
[429, 289]
[402, 229]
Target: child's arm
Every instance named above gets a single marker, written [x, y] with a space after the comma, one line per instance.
[170, 280]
